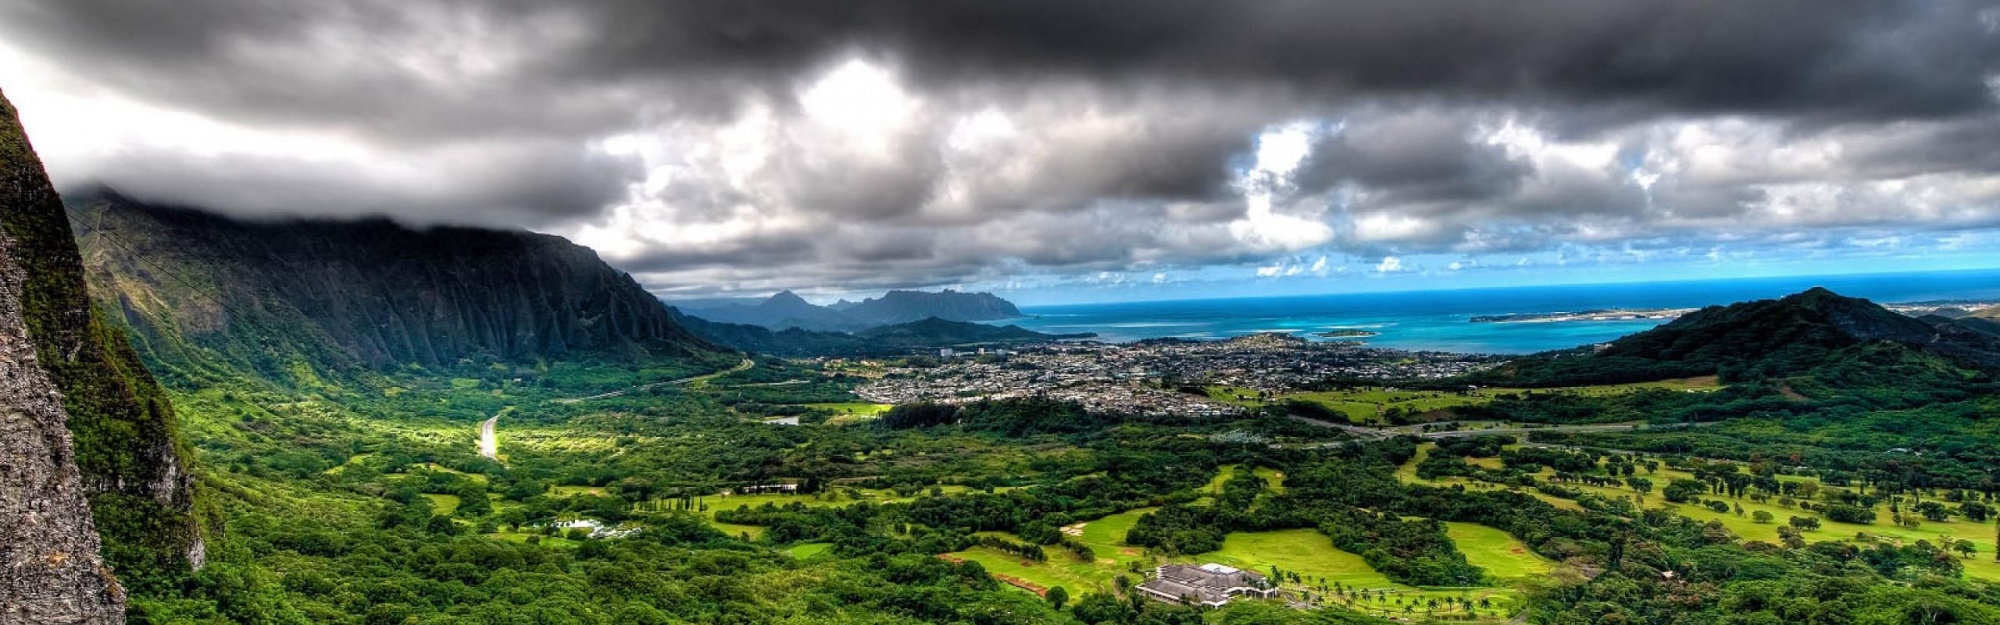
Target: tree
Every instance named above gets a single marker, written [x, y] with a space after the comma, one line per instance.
[1761, 516]
[1844, 513]
[1097, 608]
[1057, 597]
[1684, 490]
[1803, 523]
[1933, 510]
[1964, 548]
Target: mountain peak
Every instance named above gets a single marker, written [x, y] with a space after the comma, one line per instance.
[787, 310]
[1773, 337]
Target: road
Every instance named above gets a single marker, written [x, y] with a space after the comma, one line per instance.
[489, 444]
[741, 366]
[1381, 433]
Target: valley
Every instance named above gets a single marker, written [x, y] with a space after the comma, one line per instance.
[635, 472]
[1069, 471]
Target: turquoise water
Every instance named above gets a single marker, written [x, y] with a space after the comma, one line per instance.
[1440, 320]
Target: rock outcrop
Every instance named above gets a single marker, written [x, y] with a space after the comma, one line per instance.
[51, 568]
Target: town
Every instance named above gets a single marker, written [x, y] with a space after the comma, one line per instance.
[1153, 377]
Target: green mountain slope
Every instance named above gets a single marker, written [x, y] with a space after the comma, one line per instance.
[126, 443]
[1763, 339]
[307, 303]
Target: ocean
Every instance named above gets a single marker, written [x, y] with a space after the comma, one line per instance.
[1441, 320]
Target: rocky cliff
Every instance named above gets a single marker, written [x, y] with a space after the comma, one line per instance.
[57, 374]
[299, 300]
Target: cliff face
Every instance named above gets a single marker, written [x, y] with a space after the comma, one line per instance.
[301, 299]
[49, 342]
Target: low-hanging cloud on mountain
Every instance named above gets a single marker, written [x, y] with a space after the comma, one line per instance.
[736, 144]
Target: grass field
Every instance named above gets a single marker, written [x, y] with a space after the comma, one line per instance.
[1981, 535]
[804, 551]
[1272, 477]
[1303, 551]
[754, 532]
[572, 491]
[1364, 405]
[522, 537]
[849, 496]
[1503, 556]
[442, 505]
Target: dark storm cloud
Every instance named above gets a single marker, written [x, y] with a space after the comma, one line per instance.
[1414, 157]
[1128, 126]
[1844, 58]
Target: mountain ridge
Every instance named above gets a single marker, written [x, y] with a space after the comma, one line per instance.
[785, 310]
[343, 298]
[1760, 338]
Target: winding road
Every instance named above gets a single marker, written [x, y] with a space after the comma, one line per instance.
[489, 442]
[741, 366]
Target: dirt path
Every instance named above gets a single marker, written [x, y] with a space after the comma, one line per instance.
[695, 380]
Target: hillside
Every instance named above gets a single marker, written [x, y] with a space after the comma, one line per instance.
[85, 422]
[1764, 338]
[787, 310]
[301, 300]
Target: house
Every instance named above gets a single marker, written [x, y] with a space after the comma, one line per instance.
[1208, 585]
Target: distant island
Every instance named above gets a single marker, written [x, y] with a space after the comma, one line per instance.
[1347, 333]
[787, 310]
[1613, 314]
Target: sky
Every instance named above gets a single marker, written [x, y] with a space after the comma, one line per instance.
[1057, 151]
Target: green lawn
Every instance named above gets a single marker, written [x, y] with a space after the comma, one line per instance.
[442, 505]
[1273, 479]
[754, 532]
[804, 551]
[1304, 551]
[1363, 405]
[848, 496]
[1981, 535]
[1503, 556]
[522, 537]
